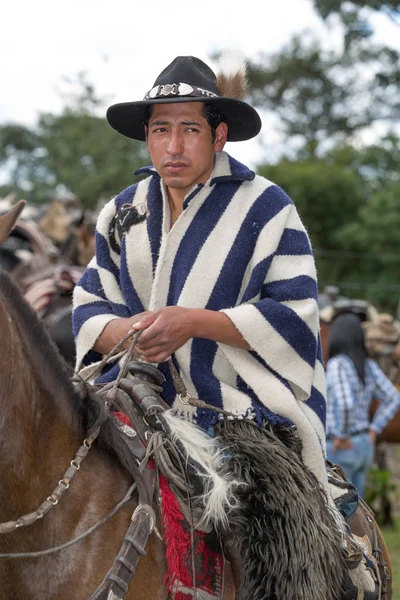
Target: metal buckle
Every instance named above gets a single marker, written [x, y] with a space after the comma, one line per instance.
[187, 395]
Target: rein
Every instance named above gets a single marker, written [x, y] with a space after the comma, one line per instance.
[80, 537]
[58, 492]
[186, 398]
[180, 388]
[64, 483]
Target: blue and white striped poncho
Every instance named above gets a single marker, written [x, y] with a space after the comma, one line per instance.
[238, 247]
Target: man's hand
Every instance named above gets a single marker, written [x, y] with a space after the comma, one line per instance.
[115, 331]
[165, 331]
[168, 329]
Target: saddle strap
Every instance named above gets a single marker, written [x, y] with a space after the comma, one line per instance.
[115, 585]
[377, 552]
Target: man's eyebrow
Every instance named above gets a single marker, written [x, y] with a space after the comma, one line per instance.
[158, 122]
[191, 123]
[163, 122]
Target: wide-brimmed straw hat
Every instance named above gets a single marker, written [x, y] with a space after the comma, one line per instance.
[189, 79]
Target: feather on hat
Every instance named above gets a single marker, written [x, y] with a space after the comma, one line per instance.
[232, 77]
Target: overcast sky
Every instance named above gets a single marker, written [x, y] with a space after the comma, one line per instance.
[123, 45]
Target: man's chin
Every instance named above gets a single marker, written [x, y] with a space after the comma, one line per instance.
[177, 183]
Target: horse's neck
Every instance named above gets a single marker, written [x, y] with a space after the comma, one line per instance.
[33, 422]
[38, 440]
[31, 428]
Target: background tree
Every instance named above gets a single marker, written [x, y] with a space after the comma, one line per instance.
[359, 9]
[325, 98]
[372, 243]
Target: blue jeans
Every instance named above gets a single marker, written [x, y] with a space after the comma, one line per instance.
[355, 462]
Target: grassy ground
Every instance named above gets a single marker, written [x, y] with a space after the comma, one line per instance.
[392, 539]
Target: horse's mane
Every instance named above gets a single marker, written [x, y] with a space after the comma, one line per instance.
[55, 373]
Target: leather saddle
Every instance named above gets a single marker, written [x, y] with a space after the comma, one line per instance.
[366, 550]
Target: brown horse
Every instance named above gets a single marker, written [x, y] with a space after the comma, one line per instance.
[40, 433]
[43, 422]
[68, 552]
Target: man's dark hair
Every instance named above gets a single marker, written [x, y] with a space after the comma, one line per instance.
[214, 117]
[147, 115]
[211, 113]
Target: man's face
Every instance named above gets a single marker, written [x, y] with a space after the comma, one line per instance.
[179, 141]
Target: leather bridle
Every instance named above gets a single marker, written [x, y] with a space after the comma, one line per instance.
[143, 521]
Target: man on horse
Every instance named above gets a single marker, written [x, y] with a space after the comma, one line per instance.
[213, 266]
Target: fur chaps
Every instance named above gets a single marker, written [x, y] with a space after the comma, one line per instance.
[281, 531]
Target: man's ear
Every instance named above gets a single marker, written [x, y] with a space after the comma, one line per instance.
[146, 131]
[221, 136]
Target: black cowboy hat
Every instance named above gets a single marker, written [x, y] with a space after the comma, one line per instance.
[186, 79]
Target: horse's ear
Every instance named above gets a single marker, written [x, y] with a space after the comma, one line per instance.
[8, 220]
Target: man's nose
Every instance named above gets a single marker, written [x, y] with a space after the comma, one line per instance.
[175, 143]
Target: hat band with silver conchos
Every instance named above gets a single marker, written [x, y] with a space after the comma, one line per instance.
[178, 89]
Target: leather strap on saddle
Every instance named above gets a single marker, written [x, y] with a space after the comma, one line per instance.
[364, 542]
[364, 529]
[148, 403]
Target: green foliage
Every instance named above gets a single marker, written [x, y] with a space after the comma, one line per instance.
[310, 91]
[87, 156]
[371, 240]
[349, 202]
[16, 139]
[391, 535]
[378, 224]
[19, 152]
[355, 16]
[375, 234]
[378, 164]
[323, 97]
[379, 486]
[328, 7]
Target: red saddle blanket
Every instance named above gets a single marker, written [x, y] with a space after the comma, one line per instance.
[194, 561]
